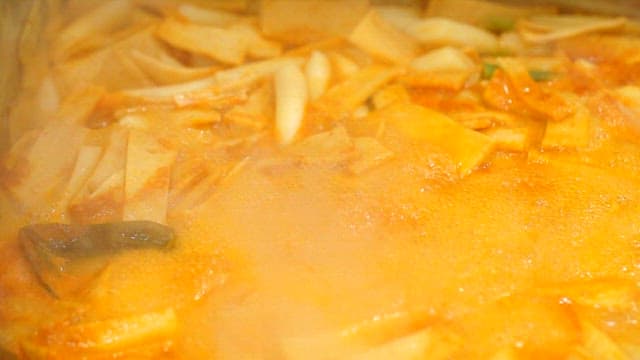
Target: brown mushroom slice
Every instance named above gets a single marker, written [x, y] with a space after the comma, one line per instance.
[67, 257]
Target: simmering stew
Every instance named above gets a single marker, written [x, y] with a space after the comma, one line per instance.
[285, 179]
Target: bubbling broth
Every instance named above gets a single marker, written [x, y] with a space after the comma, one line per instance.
[322, 180]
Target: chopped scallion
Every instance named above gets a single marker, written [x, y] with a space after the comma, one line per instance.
[541, 75]
[488, 69]
[498, 24]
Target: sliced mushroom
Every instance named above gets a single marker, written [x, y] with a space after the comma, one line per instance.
[66, 257]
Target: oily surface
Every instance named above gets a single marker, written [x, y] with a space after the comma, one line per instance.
[312, 250]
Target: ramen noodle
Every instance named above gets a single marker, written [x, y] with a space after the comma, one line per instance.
[291, 179]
